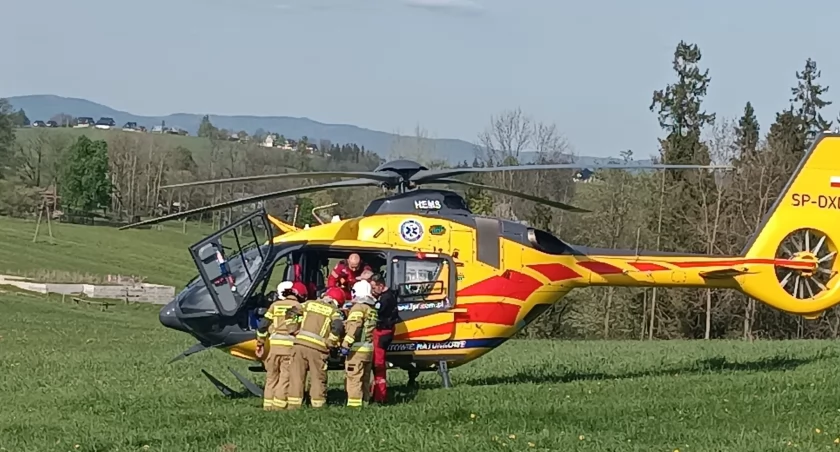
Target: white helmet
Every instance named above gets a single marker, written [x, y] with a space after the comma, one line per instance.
[283, 286]
[361, 289]
[362, 292]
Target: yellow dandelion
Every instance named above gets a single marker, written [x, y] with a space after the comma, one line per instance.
[76, 446]
[512, 436]
[837, 441]
[581, 437]
[818, 430]
[530, 444]
[676, 450]
[472, 416]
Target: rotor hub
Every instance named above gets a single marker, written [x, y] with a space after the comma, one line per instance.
[806, 256]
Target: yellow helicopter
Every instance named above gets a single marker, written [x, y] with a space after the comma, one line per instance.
[468, 283]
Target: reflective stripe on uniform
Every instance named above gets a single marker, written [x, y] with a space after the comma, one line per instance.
[318, 403]
[262, 335]
[294, 401]
[320, 308]
[362, 347]
[354, 402]
[280, 403]
[311, 338]
[355, 315]
[281, 339]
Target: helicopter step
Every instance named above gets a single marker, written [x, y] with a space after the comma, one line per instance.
[252, 388]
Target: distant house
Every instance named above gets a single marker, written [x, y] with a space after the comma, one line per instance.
[39, 123]
[105, 123]
[131, 127]
[84, 121]
[268, 142]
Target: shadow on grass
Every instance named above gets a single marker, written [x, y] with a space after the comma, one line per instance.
[547, 374]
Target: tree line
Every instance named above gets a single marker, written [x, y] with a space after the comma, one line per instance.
[687, 211]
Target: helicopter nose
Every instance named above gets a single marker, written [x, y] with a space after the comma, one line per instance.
[169, 319]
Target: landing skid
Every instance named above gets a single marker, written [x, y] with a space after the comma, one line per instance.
[252, 389]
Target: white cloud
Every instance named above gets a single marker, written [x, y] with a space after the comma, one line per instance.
[460, 6]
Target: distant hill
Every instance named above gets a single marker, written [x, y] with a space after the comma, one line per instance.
[452, 150]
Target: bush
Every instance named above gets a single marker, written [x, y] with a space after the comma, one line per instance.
[18, 200]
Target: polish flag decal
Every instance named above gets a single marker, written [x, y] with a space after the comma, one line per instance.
[835, 182]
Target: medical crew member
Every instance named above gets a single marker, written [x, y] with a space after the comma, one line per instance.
[346, 273]
[387, 318]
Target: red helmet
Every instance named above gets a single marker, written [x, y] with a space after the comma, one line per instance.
[337, 294]
[300, 290]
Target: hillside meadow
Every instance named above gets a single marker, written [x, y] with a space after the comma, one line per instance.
[79, 379]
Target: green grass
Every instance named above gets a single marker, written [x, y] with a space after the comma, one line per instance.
[79, 379]
[80, 253]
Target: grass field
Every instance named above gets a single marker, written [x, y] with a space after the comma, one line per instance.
[91, 252]
[79, 379]
[195, 144]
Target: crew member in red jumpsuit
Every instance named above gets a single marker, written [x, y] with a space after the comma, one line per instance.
[346, 273]
[383, 334]
[310, 286]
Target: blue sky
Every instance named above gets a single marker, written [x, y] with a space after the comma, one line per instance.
[590, 67]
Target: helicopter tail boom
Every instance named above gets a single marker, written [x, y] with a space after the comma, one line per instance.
[790, 264]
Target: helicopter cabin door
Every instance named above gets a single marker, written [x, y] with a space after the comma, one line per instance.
[231, 260]
[425, 287]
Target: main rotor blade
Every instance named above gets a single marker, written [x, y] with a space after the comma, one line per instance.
[518, 194]
[256, 198]
[429, 175]
[381, 176]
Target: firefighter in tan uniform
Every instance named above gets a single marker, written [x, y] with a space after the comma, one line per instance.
[280, 333]
[357, 346]
[320, 328]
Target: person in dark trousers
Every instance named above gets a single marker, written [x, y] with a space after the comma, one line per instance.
[386, 306]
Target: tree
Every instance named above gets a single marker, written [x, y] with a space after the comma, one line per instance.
[19, 119]
[7, 134]
[84, 179]
[788, 135]
[679, 107]
[806, 98]
[747, 132]
[206, 129]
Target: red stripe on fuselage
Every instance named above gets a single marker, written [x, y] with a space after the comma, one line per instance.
[555, 272]
[512, 285]
[444, 328]
[648, 266]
